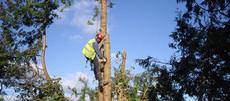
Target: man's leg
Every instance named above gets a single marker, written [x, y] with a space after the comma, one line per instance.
[97, 71]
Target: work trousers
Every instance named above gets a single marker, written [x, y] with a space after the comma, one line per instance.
[96, 68]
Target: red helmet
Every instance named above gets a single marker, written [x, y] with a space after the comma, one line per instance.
[99, 36]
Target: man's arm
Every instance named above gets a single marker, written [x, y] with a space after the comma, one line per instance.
[97, 50]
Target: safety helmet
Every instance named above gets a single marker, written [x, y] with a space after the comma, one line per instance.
[99, 36]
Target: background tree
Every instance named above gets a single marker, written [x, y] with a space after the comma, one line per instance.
[121, 79]
[202, 39]
[85, 92]
[23, 25]
[155, 83]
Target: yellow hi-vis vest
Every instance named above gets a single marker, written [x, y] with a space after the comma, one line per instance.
[88, 50]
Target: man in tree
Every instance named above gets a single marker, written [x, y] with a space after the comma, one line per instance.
[93, 54]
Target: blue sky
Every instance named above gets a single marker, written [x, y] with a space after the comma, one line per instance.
[141, 27]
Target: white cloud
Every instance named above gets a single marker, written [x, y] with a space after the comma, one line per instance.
[78, 15]
[72, 81]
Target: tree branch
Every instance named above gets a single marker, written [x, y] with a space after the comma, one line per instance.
[217, 10]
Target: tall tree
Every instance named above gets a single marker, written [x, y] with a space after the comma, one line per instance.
[107, 89]
[22, 25]
[202, 38]
[156, 82]
[121, 79]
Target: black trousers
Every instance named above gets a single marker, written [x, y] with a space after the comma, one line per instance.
[96, 68]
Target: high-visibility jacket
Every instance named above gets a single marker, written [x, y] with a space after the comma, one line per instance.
[88, 50]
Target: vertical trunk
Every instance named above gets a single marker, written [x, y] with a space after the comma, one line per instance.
[99, 95]
[123, 65]
[121, 95]
[47, 77]
[107, 90]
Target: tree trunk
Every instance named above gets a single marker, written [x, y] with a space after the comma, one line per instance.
[47, 77]
[107, 90]
[121, 95]
[123, 65]
[99, 95]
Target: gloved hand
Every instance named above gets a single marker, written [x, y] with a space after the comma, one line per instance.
[103, 60]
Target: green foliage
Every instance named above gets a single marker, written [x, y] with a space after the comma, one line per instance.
[111, 4]
[41, 90]
[90, 22]
[84, 92]
[156, 83]
[51, 91]
[153, 84]
[121, 84]
[1, 98]
[96, 11]
[202, 40]
[200, 68]
[22, 24]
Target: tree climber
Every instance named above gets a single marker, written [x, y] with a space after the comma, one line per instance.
[93, 54]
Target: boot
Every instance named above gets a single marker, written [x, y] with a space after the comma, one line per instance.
[102, 83]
